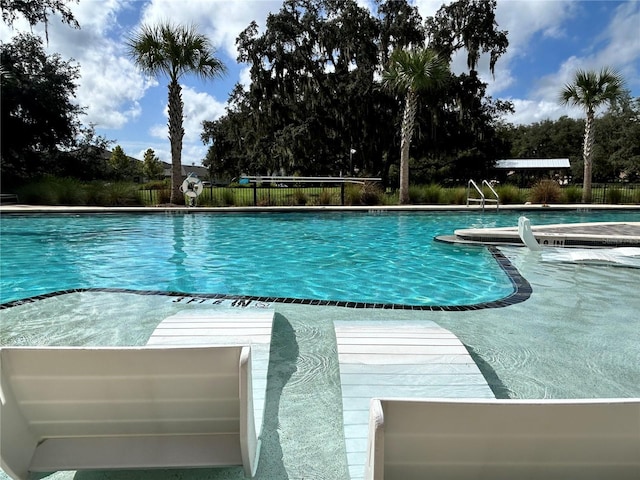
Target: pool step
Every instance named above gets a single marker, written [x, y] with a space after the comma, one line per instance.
[593, 234]
[225, 326]
[401, 360]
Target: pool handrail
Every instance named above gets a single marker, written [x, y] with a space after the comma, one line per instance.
[483, 199]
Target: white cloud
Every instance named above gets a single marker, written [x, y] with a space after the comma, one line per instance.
[97, 16]
[115, 93]
[244, 77]
[523, 20]
[531, 111]
[622, 50]
[160, 130]
[428, 8]
[617, 46]
[110, 86]
[220, 20]
[198, 106]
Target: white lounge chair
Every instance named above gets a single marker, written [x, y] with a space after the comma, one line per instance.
[618, 256]
[504, 439]
[526, 234]
[70, 408]
[401, 359]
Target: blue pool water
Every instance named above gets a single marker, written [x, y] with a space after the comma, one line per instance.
[356, 257]
[577, 336]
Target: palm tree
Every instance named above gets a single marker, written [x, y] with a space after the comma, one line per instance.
[409, 72]
[591, 90]
[174, 50]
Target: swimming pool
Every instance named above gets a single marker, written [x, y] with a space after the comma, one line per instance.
[353, 258]
[577, 336]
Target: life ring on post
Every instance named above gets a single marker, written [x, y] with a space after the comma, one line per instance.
[191, 187]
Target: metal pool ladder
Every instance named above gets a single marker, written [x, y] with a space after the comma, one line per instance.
[482, 200]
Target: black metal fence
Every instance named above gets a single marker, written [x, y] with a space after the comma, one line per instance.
[617, 193]
[369, 194]
[256, 195]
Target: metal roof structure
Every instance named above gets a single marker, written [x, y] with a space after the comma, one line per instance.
[532, 163]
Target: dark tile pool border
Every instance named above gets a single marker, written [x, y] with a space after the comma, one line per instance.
[522, 291]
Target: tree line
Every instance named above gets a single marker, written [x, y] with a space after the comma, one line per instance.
[333, 87]
[316, 104]
[616, 151]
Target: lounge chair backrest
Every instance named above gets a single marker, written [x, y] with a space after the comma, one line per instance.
[504, 439]
[526, 234]
[102, 408]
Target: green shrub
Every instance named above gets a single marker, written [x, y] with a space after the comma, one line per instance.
[426, 194]
[433, 193]
[572, 194]
[228, 197]
[157, 185]
[121, 194]
[364, 194]
[390, 197]
[614, 195]
[352, 194]
[456, 196]
[70, 192]
[54, 191]
[546, 191]
[299, 197]
[509, 195]
[164, 196]
[96, 194]
[415, 194]
[370, 194]
[325, 198]
[37, 193]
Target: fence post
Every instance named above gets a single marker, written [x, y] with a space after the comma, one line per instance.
[255, 194]
[342, 194]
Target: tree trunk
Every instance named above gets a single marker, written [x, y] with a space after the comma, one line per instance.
[408, 122]
[587, 153]
[176, 133]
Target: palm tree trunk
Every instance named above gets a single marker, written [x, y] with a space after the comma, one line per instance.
[176, 133]
[587, 155]
[408, 122]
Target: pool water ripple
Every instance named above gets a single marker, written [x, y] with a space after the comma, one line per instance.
[356, 258]
[316, 365]
[338, 257]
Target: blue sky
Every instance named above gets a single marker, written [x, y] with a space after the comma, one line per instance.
[548, 41]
